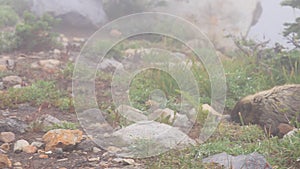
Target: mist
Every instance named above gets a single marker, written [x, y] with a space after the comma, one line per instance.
[270, 25]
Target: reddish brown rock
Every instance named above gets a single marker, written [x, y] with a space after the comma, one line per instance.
[43, 156]
[270, 108]
[7, 137]
[61, 138]
[5, 162]
[30, 149]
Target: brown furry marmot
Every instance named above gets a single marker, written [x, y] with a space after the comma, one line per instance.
[270, 109]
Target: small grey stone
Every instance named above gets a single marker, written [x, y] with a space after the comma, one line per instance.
[37, 144]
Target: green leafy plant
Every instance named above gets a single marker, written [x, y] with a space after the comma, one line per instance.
[38, 93]
[35, 34]
[62, 125]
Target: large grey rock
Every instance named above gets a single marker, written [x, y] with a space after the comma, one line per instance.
[253, 160]
[76, 12]
[157, 137]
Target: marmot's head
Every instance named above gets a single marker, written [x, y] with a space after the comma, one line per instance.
[244, 110]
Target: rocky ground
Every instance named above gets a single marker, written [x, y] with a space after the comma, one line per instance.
[23, 144]
[26, 142]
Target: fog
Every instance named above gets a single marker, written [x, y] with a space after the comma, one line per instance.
[270, 25]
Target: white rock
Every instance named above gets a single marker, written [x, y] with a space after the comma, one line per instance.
[96, 150]
[157, 137]
[19, 145]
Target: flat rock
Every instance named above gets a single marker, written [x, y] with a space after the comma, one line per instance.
[131, 113]
[5, 162]
[50, 65]
[7, 137]
[13, 125]
[61, 138]
[12, 80]
[48, 120]
[253, 160]
[158, 137]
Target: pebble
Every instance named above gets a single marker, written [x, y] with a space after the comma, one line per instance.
[96, 150]
[43, 156]
[17, 164]
[94, 159]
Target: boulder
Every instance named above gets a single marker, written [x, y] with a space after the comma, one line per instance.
[75, 12]
[253, 160]
[270, 109]
[147, 138]
[61, 138]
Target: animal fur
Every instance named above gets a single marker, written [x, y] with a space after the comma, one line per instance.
[269, 108]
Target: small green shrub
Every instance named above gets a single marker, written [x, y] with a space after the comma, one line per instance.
[38, 93]
[35, 34]
[63, 125]
[8, 42]
[8, 17]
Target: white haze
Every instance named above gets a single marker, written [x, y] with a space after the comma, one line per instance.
[270, 25]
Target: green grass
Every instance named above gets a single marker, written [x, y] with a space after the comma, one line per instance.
[36, 94]
[234, 140]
